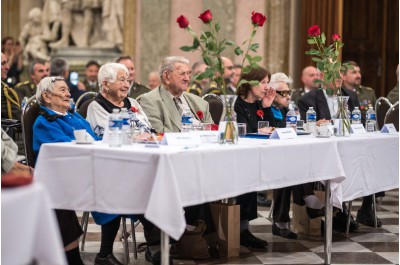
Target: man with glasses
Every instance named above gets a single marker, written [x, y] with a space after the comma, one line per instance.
[164, 104]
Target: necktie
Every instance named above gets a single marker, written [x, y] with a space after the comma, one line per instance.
[178, 103]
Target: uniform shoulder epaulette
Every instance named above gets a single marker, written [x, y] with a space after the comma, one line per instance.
[366, 88]
[21, 84]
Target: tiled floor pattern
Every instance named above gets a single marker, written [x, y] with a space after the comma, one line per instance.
[367, 245]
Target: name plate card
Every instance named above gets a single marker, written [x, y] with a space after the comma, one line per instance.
[358, 129]
[388, 128]
[206, 136]
[283, 133]
[181, 139]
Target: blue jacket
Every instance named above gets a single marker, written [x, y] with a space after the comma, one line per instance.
[50, 127]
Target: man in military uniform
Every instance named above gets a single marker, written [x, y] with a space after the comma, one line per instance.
[228, 74]
[352, 81]
[197, 86]
[136, 88]
[91, 71]
[309, 74]
[393, 95]
[38, 69]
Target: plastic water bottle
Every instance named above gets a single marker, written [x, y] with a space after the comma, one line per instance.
[115, 126]
[71, 105]
[311, 119]
[296, 109]
[371, 119]
[23, 102]
[291, 118]
[126, 126]
[186, 120]
[356, 116]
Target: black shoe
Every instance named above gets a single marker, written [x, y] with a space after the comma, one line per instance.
[263, 201]
[368, 218]
[315, 213]
[283, 232]
[109, 260]
[247, 239]
[155, 257]
[339, 222]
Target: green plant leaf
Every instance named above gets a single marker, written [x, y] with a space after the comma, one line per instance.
[221, 49]
[196, 43]
[320, 66]
[212, 46]
[248, 57]
[315, 59]
[311, 41]
[254, 46]
[246, 69]
[257, 58]
[254, 83]
[207, 60]
[238, 51]
[208, 34]
[341, 45]
[187, 48]
[217, 26]
[323, 38]
[254, 65]
[229, 43]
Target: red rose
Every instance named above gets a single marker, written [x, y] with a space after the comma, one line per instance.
[258, 19]
[183, 22]
[206, 17]
[133, 109]
[214, 127]
[260, 113]
[314, 31]
[335, 37]
[200, 114]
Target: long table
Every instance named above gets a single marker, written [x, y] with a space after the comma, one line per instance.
[159, 182]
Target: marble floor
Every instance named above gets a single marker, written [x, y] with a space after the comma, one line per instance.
[367, 245]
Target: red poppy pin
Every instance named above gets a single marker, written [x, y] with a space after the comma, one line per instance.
[214, 127]
[260, 113]
[200, 114]
[133, 109]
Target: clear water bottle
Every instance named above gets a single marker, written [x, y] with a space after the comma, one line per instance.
[186, 120]
[115, 126]
[371, 119]
[356, 116]
[348, 113]
[71, 105]
[126, 127]
[296, 109]
[23, 102]
[311, 119]
[291, 118]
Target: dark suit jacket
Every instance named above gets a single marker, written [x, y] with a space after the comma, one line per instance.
[316, 99]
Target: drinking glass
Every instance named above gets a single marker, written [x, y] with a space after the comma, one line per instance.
[242, 129]
[262, 125]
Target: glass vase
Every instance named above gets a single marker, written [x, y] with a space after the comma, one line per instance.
[227, 129]
[342, 122]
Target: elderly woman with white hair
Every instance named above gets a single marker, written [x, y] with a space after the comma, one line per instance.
[114, 86]
[113, 79]
[302, 194]
[56, 124]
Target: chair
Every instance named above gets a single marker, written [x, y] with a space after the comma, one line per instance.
[83, 109]
[83, 98]
[125, 235]
[392, 115]
[216, 106]
[29, 114]
[382, 105]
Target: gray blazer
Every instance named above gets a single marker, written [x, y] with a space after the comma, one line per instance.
[162, 113]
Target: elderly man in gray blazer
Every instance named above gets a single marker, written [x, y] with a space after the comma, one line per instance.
[163, 105]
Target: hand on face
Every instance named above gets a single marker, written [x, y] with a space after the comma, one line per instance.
[268, 98]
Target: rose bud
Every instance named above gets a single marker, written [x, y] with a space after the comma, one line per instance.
[335, 37]
[206, 17]
[314, 31]
[258, 19]
[183, 22]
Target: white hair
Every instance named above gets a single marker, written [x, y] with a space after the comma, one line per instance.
[278, 78]
[168, 64]
[109, 71]
[46, 85]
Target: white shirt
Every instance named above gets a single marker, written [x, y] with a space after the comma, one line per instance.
[332, 104]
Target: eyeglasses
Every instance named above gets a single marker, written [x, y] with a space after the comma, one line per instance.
[284, 93]
[229, 67]
[56, 78]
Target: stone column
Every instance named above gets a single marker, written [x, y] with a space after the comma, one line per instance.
[129, 29]
[277, 39]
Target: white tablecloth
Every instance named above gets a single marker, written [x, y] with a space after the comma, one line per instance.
[371, 164]
[160, 181]
[29, 229]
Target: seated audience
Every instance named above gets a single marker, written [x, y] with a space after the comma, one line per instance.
[56, 124]
[393, 95]
[91, 71]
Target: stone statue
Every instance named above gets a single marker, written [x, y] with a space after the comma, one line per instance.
[32, 39]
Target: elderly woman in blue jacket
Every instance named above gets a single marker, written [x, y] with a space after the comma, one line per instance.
[56, 124]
